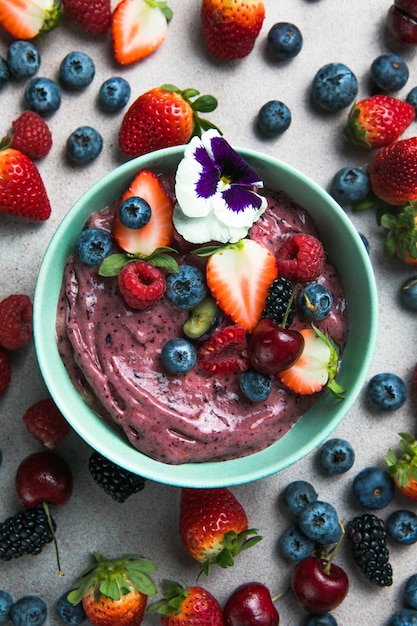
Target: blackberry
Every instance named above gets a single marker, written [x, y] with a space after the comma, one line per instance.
[24, 533]
[279, 303]
[119, 483]
[367, 534]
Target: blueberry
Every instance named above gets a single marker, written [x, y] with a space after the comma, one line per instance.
[4, 73]
[93, 245]
[114, 94]
[325, 619]
[255, 386]
[411, 591]
[135, 212]
[408, 293]
[297, 495]
[43, 96]
[187, 287]
[315, 301]
[294, 544]
[28, 611]
[402, 526]
[403, 617]
[336, 456]
[76, 71]
[386, 392]
[23, 59]
[319, 521]
[284, 40]
[274, 118]
[84, 145]
[350, 185]
[373, 488]
[6, 603]
[412, 98]
[70, 614]
[334, 87]
[389, 71]
[178, 355]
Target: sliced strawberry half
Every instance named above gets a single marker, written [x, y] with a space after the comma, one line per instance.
[238, 277]
[159, 231]
[28, 18]
[138, 28]
[315, 368]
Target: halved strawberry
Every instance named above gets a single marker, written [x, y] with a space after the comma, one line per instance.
[159, 231]
[315, 368]
[238, 276]
[28, 18]
[138, 28]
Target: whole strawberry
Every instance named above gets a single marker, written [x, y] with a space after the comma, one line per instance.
[22, 190]
[31, 135]
[28, 18]
[93, 16]
[115, 591]
[403, 469]
[393, 172]
[162, 117]
[378, 121]
[229, 28]
[214, 527]
[187, 606]
[401, 238]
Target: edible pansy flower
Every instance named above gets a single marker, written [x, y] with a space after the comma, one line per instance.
[216, 192]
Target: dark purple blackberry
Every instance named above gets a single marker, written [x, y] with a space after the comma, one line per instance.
[367, 535]
[117, 482]
[280, 302]
[24, 533]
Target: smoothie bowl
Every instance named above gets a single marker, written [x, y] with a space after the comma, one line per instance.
[202, 409]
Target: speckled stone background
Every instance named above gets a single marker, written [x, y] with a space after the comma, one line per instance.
[350, 32]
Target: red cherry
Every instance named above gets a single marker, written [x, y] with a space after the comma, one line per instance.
[250, 605]
[402, 21]
[43, 477]
[272, 348]
[317, 587]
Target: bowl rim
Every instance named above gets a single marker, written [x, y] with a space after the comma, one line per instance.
[210, 474]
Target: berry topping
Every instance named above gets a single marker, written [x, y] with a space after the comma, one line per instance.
[135, 212]
[178, 355]
[141, 284]
[315, 301]
[225, 352]
[367, 535]
[5, 370]
[255, 386]
[280, 304]
[46, 423]
[301, 258]
[31, 135]
[186, 288]
[93, 245]
[25, 533]
[15, 321]
[272, 348]
[116, 481]
[159, 231]
[239, 276]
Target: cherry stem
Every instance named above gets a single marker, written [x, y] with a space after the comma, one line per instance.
[288, 309]
[52, 529]
[333, 553]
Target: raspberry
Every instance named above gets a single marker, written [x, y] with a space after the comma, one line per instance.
[31, 135]
[225, 352]
[5, 370]
[15, 321]
[141, 284]
[45, 422]
[301, 258]
[116, 481]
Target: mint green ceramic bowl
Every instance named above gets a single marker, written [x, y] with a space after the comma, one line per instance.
[345, 249]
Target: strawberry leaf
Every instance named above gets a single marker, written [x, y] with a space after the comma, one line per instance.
[205, 104]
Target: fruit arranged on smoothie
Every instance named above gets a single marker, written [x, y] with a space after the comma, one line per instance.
[214, 527]
[230, 30]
